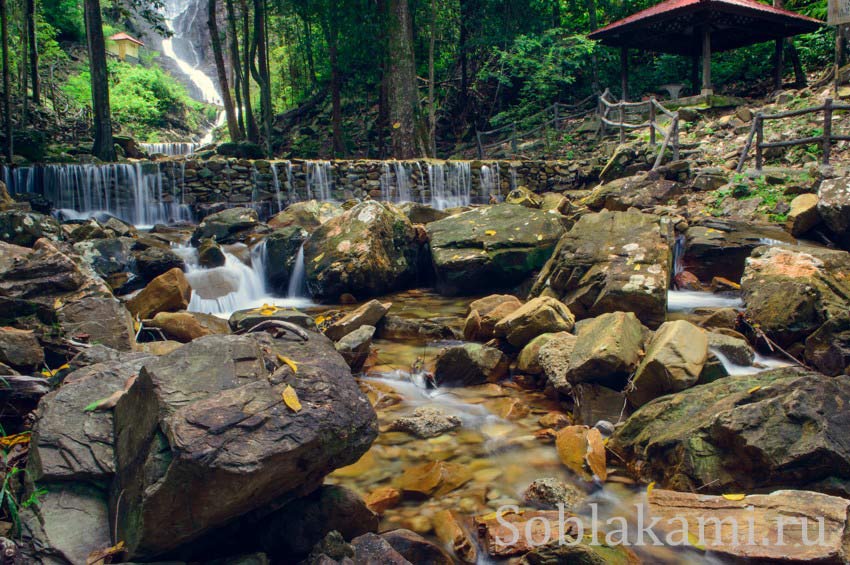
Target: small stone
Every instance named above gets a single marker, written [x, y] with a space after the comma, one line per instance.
[426, 422]
[548, 493]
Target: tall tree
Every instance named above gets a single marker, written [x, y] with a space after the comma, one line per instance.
[7, 82]
[104, 148]
[330, 27]
[432, 105]
[260, 70]
[250, 123]
[233, 41]
[33, 52]
[403, 95]
[224, 87]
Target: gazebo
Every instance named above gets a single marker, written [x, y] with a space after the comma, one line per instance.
[701, 27]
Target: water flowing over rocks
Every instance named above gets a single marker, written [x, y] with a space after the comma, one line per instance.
[212, 411]
[491, 248]
[609, 262]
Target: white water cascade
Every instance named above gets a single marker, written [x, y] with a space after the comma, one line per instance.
[137, 193]
[491, 182]
[177, 149]
[298, 278]
[396, 182]
[450, 184]
[319, 181]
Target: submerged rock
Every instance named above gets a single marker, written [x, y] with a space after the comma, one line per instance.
[777, 429]
[198, 435]
[370, 250]
[610, 262]
[426, 423]
[491, 248]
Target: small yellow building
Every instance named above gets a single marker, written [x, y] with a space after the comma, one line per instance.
[124, 46]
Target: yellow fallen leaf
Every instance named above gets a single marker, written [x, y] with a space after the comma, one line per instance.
[101, 555]
[290, 398]
[571, 444]
[754, 389]
[595, 457]
[693, 540]
[287, 361]
[650, 487]
[734, 497]
[490, 232]
[319, 257]
[539, 237]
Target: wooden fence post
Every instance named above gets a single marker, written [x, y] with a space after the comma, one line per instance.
[759, 141]
[675, 126]
[622, 121]
[480, 147]
[827, 130]
[557, 117]
[513, 140]
[652, 121]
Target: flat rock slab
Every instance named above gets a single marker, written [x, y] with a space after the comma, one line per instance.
[761, 519]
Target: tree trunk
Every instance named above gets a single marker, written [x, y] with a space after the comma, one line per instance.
[7, 82]
[33, 49]
[224, 87]
[800, 80]
[432, 108]
[308, 41]
[261, 74]
[250, 123]
[465, 16]
[104, 148]
[403, 94]
[336, 101]
[233, 41]
[594, 61]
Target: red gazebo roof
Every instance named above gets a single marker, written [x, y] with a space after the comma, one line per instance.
[675, 26]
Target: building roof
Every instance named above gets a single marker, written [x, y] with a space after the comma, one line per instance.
[126, 37]
[675, 26]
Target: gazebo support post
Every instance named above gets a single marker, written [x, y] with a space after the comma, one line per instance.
[777, 63]
[707, 89]
[695, 74]
[624, 73]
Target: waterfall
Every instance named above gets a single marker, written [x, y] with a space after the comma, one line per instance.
[679, 254]
[319, 180]
[276, 183]
[450, 184]
[514, 184]
[491, 182]
[298, 278]
[396, 171]
[169, 149]
[133, 192]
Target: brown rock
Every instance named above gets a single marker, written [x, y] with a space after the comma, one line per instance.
[485, 313]
[166, 293]
[188, 326]
[538, 316]
[20, 349]
[417, 549]
[804, 214]
[453, 534]
[496, 536]
[368, 314]
[382, 499]
[436, 478]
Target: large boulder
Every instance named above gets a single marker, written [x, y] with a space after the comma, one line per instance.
[778, 429]
[228, 226]
[834, 204]
[485, 313]
[674, 361]
[25, 228]
[307, 215]
[71, 441]
[720, 248]
[607, 351]
[370, 250]
[206, 434]
[804, 214]
[154, 261]
[641, 191]
[610, 262]
[469, 364]
[538, 316]
[282, 247]
[170, 292]
[45, 288]
[491, 248]
[791, 291]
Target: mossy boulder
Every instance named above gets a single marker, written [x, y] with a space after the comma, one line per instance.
[784, 428]
[282, 247]
[307, 215]
[491, 248]
[25, 228]
[371, 249]
[612, 262]
[228, 226]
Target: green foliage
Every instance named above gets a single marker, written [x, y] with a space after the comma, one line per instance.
[142, 98]
[743, 187]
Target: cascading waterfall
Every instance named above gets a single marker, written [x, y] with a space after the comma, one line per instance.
[398, 172]
[319, 180]
[170, 149]
[298, 278]
[450, 184]
[491, 182]
[133, 192]
[514, 183]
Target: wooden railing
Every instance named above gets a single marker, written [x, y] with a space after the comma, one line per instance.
[826, 139]
[552, 117]
[608, 109]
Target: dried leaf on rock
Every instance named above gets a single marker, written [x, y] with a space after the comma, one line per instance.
[596, 458]
[290, 398]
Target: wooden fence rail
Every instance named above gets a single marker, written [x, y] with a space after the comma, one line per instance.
[607, 109]
[553, 116]
[826, 139]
